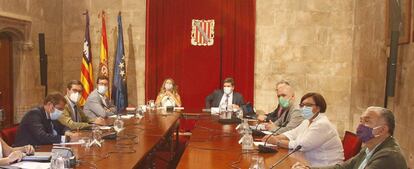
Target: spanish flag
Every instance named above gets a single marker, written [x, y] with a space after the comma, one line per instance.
[103, 64]
[86, 68]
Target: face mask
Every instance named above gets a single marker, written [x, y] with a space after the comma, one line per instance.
[74, 97]
[168, 86]
[365, 133]
[227, 90]
[283, 102]
[102, 89]
[307, 112]
[55, 115]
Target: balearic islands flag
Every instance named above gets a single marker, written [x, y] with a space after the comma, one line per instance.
[86, 68]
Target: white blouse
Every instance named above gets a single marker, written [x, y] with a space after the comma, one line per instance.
[1, 150]
[320, 141]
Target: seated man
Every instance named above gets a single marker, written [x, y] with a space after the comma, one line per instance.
[73, 116]
[97, 104]
[286, 116]
[39, 126]
[225, 97]
[381, 150]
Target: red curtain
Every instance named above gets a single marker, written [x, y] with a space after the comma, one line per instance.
[198, 70]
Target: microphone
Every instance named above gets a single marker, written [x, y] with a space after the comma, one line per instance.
[286, 156]
[263, 148]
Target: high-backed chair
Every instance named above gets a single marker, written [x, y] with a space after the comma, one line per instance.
[351, 144]
[9, 134]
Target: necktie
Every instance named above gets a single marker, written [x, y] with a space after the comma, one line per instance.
[227, 100]
[75, 110]
[279, 113]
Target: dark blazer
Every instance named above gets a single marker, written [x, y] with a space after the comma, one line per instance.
[213, 100]
[36, 129]
[387, 155]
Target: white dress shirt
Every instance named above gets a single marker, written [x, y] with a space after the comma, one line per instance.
[229, 101]
[320, 141]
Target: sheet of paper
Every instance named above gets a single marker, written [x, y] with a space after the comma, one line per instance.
[215, 110]
[70, 143]
[31, 165]
[257, 143]
[104, 127]
[258, 127]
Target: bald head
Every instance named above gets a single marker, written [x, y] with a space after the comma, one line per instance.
[284, 90]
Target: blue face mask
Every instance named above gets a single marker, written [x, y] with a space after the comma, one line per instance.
[307, 112]
[55, 114]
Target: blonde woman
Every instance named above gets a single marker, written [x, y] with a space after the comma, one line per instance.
[168, 95]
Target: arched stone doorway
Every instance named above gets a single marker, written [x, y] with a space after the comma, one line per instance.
[18, 30]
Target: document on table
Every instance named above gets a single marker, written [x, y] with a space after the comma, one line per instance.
[257, 143]
[127, 116]
[30, 165]
[258, 127]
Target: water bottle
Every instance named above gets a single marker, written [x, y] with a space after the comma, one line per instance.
[244, 126]
[247, 142]
[57, 162]
[257, 162]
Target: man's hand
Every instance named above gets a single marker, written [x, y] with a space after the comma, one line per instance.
[270, 126]
[272, 139]
[261, 117]
[299, 165]
[99, 121]
[235, 107]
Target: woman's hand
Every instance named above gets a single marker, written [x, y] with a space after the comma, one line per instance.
[28, 149]
[14, 156]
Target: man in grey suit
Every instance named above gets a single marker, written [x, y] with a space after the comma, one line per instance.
[97, 104]
[225, 96]
[286, 116]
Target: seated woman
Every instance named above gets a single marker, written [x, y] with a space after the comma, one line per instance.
[319, 139]
[168, 95]
[9, 154]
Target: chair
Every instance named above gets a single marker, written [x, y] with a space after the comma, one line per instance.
[351, 144]
[9, 134]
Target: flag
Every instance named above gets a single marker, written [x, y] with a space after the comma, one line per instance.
[103, 64]
[86, 68]
[119, 85]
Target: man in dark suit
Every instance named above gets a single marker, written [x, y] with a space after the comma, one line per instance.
[225, 96]
[40, 126]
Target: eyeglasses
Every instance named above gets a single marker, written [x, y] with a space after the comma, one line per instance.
[306, 104]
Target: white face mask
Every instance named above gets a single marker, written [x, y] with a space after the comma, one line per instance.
[227, 90]
[74, 97]
[102, 89]
[168, 86]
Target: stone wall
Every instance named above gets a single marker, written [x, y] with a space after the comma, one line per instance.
[309, 43]
[44, 17]
[133, 20]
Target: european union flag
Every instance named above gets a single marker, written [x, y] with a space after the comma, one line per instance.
[119, 84]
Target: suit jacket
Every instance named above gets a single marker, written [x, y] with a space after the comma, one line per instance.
[386, 155]
[290, 119]
[94, 106]
[68, 118]
[213, 100]
[36, 129]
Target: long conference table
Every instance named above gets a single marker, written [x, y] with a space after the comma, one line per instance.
[215, 145]
[211, 145]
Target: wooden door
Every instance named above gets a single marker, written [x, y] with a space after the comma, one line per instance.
[6, 76]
